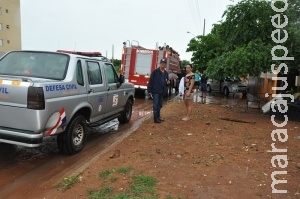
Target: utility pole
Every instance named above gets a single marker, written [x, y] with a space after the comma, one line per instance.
[112, 57]
[204, 28]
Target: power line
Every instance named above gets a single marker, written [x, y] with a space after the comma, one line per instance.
[194, 16]
[199, 13]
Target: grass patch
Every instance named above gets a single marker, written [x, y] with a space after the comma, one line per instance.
[113, 179]
[124, 170]
[170, 197]
[106, 173]
[123, 196]
[68, 182]
[143, 185]
[101, 194]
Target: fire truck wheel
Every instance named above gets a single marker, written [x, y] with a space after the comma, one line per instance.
[72, 140]
[126, 113]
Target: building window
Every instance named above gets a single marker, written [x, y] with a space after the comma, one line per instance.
[0, 11]
[7, 26]
[6, 10]
[8, 41]
[1, 42]
[0, 26]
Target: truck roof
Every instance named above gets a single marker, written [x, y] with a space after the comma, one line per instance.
[93, 55]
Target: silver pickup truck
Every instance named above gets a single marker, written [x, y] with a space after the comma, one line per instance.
[56, 93]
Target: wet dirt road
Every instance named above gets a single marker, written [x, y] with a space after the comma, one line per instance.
[23, 170]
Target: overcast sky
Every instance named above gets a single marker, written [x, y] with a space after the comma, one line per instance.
[100, 25]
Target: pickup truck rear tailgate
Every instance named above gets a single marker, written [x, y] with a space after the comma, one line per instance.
[13, 93]
[13, 106]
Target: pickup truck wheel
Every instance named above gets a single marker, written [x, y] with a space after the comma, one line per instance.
[226, 91]
[73, 139]
[126, 113]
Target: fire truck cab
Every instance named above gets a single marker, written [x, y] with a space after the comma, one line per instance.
[138, 62]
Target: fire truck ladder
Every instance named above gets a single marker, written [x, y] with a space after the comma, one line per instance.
[127, 62]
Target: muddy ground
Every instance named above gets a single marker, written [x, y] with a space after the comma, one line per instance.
[222, 152]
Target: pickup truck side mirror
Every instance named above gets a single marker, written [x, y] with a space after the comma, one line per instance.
[122, 79]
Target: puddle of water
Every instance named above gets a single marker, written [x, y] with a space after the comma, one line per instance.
[215, 98]
[297, 137]
[111, 126]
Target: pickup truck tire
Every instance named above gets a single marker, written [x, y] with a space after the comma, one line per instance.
[126, 113]
[73, 139]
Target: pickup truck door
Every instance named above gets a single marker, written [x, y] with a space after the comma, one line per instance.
[115, 96]
[97, 90]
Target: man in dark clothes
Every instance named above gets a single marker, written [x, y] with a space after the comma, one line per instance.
[157, 87]
[203, 84]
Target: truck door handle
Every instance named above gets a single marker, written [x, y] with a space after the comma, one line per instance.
[91, 91]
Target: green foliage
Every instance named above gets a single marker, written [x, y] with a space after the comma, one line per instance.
[113, 179]
[68, 182]
[140, 186]
[206, 48]
[241, 44]
[123, 196]
[184, 63]
[143, 184]
[294, 90]
[170, 197]
[117, 64]
[106, 173]
[101, 194]
[118, 68]
[124, 170]
[249, 59]
[247, 20]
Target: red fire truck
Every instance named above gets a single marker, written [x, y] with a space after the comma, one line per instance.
[138, 62]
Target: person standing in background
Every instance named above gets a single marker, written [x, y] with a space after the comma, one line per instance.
[157, 87]
[197, 80]
[172, 78]
[189, 81]
[203, 83]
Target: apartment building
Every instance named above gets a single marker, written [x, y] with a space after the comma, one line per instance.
[10, 26]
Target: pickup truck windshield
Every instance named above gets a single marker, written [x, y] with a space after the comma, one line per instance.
[34, 64]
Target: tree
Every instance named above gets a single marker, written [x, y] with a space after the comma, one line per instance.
[293, 29]
[206, 48]
[241, 44]
[184, 63]
[117, 64]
